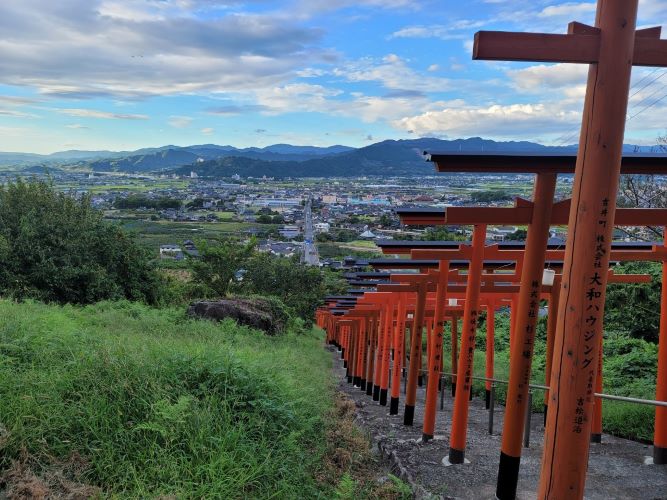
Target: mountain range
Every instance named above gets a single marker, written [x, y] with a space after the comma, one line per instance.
[386, 158]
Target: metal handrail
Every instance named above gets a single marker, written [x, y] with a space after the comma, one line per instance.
[650, 402]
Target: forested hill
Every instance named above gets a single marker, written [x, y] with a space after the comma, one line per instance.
[386, 158]
[170, 157]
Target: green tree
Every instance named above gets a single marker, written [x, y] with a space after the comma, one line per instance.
[345, 235]
[56, 248]
[196, 203]
[216, 268]
[300, 287]
[385, 220]
[323, 237]
[334, 283]
[264, 219]
[439, 233]
[634, 308]
[135, 201]
[518, 235]
[490, 196]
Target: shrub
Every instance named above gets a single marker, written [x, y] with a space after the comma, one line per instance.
[54, 247]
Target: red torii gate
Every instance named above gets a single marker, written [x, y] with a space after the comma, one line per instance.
[514, 430]
[435, 348]
[529, 213]
[492, 295]
[424, 266]
[438, 281]
[611, 48]
[632, 252]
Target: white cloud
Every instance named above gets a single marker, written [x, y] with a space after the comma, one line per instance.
[207, 131]
[76, 126]
[14, 132]
[104, 115]
[96, 48]
[310, 73]
[652, 11]
[454, 30]
[15, 114]
[393, 73]
[532, 16]
[11, 100]
[313, 7]
[295, 97]
[570, 10]
[500, 121]
[543, 76]
[303, 97]
[179, 121]
[372, 108]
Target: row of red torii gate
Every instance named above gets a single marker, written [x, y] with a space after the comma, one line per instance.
[373, 324]
[444, 282]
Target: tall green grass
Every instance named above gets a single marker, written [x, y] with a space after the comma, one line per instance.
[158, 404]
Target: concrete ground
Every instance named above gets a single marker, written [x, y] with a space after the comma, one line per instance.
[616, 468]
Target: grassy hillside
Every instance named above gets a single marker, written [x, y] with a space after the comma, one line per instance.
[141, 402]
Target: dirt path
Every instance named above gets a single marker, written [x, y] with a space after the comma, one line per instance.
[616, 467]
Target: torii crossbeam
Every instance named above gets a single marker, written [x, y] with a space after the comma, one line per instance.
[611, 47]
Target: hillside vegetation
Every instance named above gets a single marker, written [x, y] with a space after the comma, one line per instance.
[56, 248]
[141, 402]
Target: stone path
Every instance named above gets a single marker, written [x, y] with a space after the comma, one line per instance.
[616, 467]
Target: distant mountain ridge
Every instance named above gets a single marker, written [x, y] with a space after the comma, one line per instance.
[386, 158]
[147, 159]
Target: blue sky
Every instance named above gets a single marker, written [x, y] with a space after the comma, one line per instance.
[125, 74]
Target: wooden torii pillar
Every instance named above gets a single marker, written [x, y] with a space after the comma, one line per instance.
[611, 48]
[374, 306]
[399, 348]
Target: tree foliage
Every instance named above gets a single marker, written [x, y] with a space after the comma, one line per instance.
[635, 308]
[344, 235]
[215, 271]
[56, 248]
[300, 287]
[440, 233]
[490, 196]
[135, 201]
[518, 235]
[270, 219]
[642, 191]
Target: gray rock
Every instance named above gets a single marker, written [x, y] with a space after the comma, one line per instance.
[254, 312]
